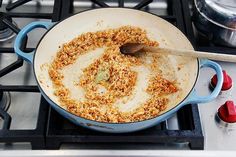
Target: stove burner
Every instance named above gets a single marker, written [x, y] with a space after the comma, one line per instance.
[5, 100]
[5, 32]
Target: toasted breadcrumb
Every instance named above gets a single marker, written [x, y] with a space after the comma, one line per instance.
[119, 79]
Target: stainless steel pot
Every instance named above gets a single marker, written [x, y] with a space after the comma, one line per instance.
[217, 20]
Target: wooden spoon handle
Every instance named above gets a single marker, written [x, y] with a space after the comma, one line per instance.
[191, 53]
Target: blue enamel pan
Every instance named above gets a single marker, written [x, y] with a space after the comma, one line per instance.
[100, 19]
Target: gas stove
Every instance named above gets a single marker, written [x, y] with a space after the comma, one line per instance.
[28, 122]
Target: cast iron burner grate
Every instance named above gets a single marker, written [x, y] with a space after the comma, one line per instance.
[52, 130]
[36, 137]
[5, 100]
[61, 131]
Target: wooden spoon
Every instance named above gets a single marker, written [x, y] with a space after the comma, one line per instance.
[133, 48]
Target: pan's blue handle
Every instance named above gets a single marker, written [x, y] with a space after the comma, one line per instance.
[38, 24]
[194, 98]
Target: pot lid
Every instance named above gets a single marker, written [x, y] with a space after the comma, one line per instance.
[220, 12]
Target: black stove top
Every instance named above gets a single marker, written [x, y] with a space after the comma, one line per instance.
[52, 129]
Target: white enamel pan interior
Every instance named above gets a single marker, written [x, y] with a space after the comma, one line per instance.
[99, 19]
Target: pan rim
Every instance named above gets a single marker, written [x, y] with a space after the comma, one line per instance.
[123, 123]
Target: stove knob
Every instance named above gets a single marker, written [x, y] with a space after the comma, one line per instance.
[227, 112]
[227, 83]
